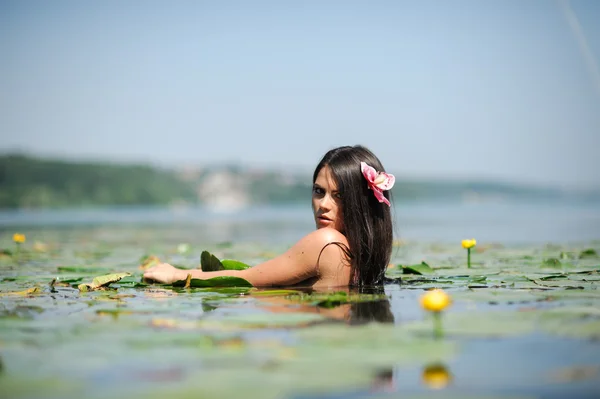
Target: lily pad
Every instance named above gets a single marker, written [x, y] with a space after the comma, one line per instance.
[27, 292]
[230, 264]
[551, 262]
[221, 281]
[101, 282]
[209, 262]
[588, 253]
[421, 268]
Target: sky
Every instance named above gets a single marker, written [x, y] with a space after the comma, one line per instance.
[501, 90]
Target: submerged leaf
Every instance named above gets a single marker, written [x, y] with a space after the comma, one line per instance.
[209, 262]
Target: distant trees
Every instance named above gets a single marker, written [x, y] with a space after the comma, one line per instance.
[27, 182]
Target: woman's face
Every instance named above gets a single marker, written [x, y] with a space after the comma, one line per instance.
[326, 201]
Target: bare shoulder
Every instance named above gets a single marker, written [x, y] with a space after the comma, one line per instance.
[318, 239]
[326, 250]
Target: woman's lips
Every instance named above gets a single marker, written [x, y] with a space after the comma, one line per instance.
[321, 220]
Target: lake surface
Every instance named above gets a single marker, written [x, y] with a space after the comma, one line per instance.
[505, 222]
[524, 321]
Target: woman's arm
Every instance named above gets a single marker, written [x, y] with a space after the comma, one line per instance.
[299, 263]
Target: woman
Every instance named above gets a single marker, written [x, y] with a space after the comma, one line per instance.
[353, 241]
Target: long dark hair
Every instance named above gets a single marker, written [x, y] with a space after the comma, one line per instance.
[367, 222]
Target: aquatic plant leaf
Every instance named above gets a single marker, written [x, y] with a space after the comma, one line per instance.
[333, 300]
[551, 262]
[209, 262]
[421, 268]
[222, 281]
[109, 278]
[28, 291]
[230, 264]
[554, 277]
[588, 253]
[102, 281]
[568, 284]
[269, 292]
[502, 296]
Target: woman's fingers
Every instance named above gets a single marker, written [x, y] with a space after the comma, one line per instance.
[161, 273]
[151, 273]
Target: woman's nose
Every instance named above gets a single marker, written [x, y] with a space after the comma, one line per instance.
[325, 203]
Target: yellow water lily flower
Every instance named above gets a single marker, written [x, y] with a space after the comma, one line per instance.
[468, 244]
[19, 238]
[435, 300]
[436, 376]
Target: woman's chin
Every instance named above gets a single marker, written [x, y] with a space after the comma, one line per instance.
[324, 223]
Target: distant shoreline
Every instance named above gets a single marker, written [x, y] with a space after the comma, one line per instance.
[35, 183]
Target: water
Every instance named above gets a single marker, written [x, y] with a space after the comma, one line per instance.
[198, 343]
[501, 222]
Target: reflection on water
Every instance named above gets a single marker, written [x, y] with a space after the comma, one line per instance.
[384, 381]
[436, 376]
[354, 308]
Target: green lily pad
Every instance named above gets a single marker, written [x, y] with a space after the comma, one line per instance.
[588, 253]
[102, 281]
[421, 268]
[222, 281]
[551, 262]
[209, 262]
[27, 292]
[230, 264]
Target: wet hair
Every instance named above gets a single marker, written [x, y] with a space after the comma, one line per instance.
[367, 222]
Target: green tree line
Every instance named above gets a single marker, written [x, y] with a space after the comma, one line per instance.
[27, 182]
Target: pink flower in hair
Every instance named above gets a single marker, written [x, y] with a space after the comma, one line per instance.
[378, 181]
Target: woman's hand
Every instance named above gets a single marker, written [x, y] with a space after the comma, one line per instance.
[164, 273]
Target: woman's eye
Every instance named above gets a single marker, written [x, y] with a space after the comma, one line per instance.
[338, 195]
[318, 190]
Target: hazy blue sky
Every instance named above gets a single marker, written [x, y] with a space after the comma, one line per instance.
[505, 89]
